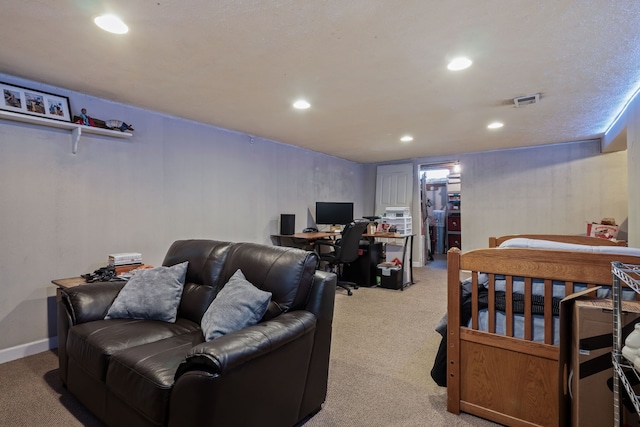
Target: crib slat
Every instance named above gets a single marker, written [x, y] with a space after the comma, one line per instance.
[474, 300]
[548, 312]
[569, 288]
[528, 328]
[492, 303]
[509, 307]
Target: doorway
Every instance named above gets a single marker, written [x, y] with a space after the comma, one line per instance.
[440, 197]
[394, 186]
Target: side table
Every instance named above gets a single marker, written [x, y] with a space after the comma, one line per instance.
[68, 283]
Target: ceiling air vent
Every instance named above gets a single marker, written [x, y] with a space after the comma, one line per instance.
[521, 101]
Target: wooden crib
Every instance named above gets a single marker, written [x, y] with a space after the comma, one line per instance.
[509, 380]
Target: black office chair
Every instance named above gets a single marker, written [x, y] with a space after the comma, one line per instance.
[344, 251]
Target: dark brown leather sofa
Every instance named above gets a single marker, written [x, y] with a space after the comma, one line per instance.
[152, 373]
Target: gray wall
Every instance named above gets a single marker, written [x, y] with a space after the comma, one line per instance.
[61, 214]
[554, 189]
[633, 150]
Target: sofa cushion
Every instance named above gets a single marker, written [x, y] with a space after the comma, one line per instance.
[152, 294]
[143, 376]
[285, 272]
[195, 301]
[92, 344]
[206, 259]
[202, 283]
[239, 304]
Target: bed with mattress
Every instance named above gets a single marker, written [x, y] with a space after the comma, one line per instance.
[502, 328]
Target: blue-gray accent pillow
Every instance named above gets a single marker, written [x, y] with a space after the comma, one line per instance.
[238, 304]
[152, 294]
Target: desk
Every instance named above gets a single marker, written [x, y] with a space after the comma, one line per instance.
[407, 241]
[301, 240]
[315, 235]
[305, 241]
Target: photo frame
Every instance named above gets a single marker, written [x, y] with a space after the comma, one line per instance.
[33, 102]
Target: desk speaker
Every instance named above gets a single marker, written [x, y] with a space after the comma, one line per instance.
[287, 224]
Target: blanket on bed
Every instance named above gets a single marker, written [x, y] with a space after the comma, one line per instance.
[439, 370]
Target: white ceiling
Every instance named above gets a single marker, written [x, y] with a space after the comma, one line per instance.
[373, 70]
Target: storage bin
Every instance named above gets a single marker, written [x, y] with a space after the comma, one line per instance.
[403, 225]
[453, 223]
[390, 278]
[440, 236]
[438, 218]
[455, 241]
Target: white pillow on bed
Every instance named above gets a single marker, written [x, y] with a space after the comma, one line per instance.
[521, 242]
[558, 286]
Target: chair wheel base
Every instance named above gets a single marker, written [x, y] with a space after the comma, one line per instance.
[345, 286]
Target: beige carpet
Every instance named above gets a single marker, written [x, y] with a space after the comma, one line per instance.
[383, 349]
[33, 396]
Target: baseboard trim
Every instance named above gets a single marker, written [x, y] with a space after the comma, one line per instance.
[29, 349]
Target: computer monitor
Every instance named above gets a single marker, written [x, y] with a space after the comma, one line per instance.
[334, 213]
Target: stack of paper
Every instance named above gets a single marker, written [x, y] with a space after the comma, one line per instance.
[126, 258]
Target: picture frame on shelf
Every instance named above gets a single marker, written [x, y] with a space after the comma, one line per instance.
[18, 99]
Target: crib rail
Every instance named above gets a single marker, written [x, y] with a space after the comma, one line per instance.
[501, 376]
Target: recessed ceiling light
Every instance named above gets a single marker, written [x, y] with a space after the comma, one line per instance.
[495, 125]
[459, 64]
[301, 104]
[111, 23]
[406, 138]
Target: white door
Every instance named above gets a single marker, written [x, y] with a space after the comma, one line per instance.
[394, 186]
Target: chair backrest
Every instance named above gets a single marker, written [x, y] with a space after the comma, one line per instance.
[350, 241]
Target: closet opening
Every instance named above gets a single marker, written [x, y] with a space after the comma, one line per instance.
[440, 197]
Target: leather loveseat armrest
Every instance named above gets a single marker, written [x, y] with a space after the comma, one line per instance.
[321, 303]
[90, 301]
[81, 304]
[230, 351]
[255, 376]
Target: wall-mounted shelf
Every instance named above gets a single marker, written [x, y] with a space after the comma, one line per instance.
[76, 129]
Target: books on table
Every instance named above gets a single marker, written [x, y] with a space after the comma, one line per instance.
[125, 258]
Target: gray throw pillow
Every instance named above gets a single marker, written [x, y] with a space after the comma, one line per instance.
[152, 294]
[238, 304]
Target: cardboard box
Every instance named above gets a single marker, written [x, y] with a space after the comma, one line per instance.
[603, 231]
[586, 327]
